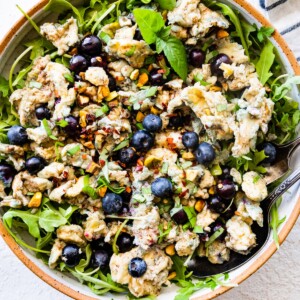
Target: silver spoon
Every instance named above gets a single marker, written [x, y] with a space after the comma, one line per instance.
[201, 267]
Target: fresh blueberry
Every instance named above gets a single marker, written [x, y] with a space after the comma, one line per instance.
[190, 140]
[229, 211]
[226, 189]
[161, 187]
[17, 135]
[205, 153]
[35, 164]
[196, 58]
[73, 127]
[137, 267]
[128, 156]
[176, 122]
[225, 173]
[71, 255]
[7, 173]
[142, 140]
[98, 61]
[112, 84]
[100, 259]
[78, 63]
[180, 217]
[156, 78]
[217, 62]
[125, 242]
[270, 152]
[216, 204]
[152, 123]
[91, 45]
[137, 35]
[99, 244]
[215, 227]
[42, 112]
[112, 203]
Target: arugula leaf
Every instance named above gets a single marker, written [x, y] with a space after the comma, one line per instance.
[214, 237]
[167, 4]
[42, 242]
[264, 33]
[122, 145]
[29, 19]
[192, 215]
[275, 221]
[59, 6]
[247, 30]
[149, 22]
[62, 123]
[84, 262]
[74, 150]
[179, 267]
[87, 189]
[49, 220]
[4, 86]
[69, 77]
[265, 62]
[280, 91]
[114, 245]
[103, 182]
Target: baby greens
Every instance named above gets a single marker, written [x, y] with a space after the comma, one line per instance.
[153, 30]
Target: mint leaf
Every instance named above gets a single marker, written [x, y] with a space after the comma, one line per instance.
[167, 4]
[265, 62]
[149, 22]
[176, 55]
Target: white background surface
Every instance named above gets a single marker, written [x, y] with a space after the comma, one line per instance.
[278, 279]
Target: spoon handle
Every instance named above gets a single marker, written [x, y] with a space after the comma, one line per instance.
[282, 188]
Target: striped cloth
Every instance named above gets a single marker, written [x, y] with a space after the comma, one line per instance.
[285, 16]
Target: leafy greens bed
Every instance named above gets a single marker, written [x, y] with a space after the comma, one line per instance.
[43, 220]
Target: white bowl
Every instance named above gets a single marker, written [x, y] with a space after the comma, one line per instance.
[10, 49]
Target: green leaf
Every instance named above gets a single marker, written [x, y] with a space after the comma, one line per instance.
[62, 123]
[4, 86]
[74, 150]
[59, 6]
[192, 215]
[87, 189]
[114, 245]
[149, 22]
[264, 33]
[167, 4]
[179, 267]
[247, 29]
[42, 242]
[265, 62]
[122, 145]
[69, 77]
[48, 129]
[280, 90]
[214, 237]
[176, 55]
[84, 262]
[31, 220]
[102, 111]
[49, 220]
[115, 189]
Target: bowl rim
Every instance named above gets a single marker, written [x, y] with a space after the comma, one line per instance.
[257, 264]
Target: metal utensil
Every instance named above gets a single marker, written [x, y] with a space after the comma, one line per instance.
[283, 159]
[201, 267]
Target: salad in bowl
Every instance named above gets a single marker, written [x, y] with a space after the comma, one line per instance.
[135, 136]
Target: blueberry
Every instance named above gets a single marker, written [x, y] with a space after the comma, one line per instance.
[137, 267]
[217, 62]
[190, 140]
[205, 153]
[226, 189]
[229, 211]
[142, 140]
[137, 35]
[98, 61]
[156, 78]
[215, 227]
[270, 152]
[216, 204]
[17, 135]
[196, 58]
[42, 112]
[125, 242]
[152, 123]
[73, 127]
[112, 203]
[78, 63]
[100, 259]
[176, 122]
[161, 187]
[71, 255]
[225, 173]
[7, 173]
[180, 217]
[128, 156]
[112, 84]
[99, 244]
[91, 45]
[35, 164]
